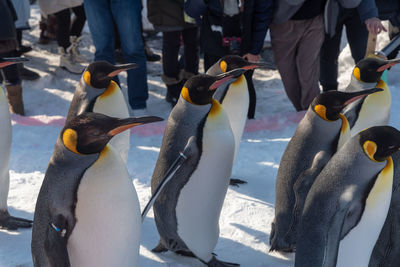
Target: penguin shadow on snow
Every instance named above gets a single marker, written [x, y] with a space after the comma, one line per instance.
[261, 237]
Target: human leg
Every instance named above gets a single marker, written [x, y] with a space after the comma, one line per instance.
[191, 50]
[284, 39]
[127, 15]
[329, 60]
[307, 59]
[357, 35]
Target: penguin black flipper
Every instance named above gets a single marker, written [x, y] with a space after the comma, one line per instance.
[56, 247]
[352, 111]
[236, 182]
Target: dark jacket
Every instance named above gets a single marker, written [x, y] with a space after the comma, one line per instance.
[167, 15]
[389, 10]
[7, 29]
[255, 20]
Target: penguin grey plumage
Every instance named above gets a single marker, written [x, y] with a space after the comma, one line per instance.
[188, 208]
[318, 136]
[348, 203]
[362, 113]
[387, 248]
[97, 92]
[84, 182]
[7, 221]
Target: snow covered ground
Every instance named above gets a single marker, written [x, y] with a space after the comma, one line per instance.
[248, 210]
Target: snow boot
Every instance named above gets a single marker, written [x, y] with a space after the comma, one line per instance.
[173, 89]
[68, 62]
[14, 97]
[75, 51]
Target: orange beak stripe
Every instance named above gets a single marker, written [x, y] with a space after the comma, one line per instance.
[120, 129]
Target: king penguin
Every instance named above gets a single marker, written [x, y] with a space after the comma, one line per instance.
[97, 92]
[6, 221]
[187, 210]
[387, 249]
[234, 97]
[321, 132]
[363, 113]
[348, 203]
[87, 212]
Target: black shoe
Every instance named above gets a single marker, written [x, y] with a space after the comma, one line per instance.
[153, 57]
[172, 99]
[26, 74]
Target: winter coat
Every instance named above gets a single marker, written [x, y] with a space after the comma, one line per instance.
[48, 7]
[255, 20]
[389, 10]
[7, 29]
[23, 9]
[167, 15]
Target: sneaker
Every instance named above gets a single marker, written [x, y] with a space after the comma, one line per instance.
[68, 62]
[78, 57]
[140, 112]
[150, 55]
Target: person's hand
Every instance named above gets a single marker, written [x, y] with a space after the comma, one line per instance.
[251, 58]
[374, 25]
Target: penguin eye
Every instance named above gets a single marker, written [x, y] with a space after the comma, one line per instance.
[95, 133]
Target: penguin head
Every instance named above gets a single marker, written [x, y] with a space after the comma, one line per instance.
[369, 70]
[328, 105]
[380, 142]
[199, 89]
[89, 132]
[100, 73]
[231, 62]
[7, 61]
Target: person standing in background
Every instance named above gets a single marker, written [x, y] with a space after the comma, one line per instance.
[358, 21]
[297, 34]
[127, 16]
[232, 27]
[169, 17]
[67, 33]
[8, 44]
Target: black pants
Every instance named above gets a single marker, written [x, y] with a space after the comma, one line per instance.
[170, 51]
[64, 27]
[357, 36]
[10, 73]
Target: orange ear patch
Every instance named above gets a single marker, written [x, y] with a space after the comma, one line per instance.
[86, 78]
[70, 140]
[223, 65]
[370, 148]
[185, 95]
[321, 111]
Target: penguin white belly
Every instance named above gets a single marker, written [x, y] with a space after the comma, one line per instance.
[108, 224]
[114, 105]
[200, 200]
[356, 247]
[236, 105]
[375, 110]
[5, 148]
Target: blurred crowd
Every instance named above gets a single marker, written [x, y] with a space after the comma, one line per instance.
[305, 38]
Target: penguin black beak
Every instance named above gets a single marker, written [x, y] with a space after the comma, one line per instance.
[125, 124]
[351, 97]
[227, 77]
[7, 61]
[388, 64]
[121, 68]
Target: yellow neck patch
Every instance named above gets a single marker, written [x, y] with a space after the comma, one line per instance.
[356, 73]
[185, 95]
[111, 89]
[216, 108]
[70, 140]
[321, 111]
[370, 148]
[345, 123]
[223, 65]
[381, 84]
[86, 78]
[239, 80]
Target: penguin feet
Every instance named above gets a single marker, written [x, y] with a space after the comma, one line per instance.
[8, 222]
[217, 263]
[159, 248]
[236, 182]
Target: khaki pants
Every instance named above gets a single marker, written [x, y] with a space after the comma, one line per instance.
[296, 45]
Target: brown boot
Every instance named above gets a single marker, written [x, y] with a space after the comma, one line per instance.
[14, 96]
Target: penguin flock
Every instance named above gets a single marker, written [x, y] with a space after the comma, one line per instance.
[337, 187]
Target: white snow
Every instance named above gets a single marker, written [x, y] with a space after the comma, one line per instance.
[248, 210]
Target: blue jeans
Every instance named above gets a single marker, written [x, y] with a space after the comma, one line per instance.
[101, 15]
